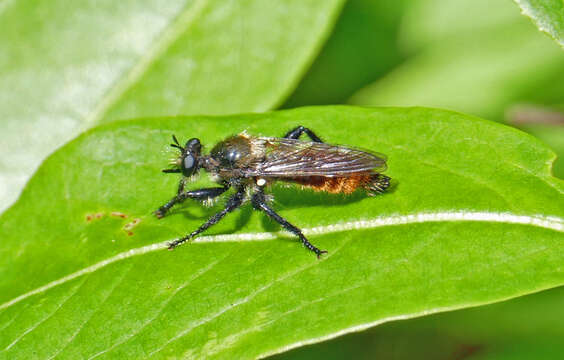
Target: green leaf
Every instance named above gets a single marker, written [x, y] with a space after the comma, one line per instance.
[547, 124]
[474, 217]
[479, 69]
[65, 66]
[553, 136]
[479, 75]
[534, 321]
[528, 327]
[362, 47]
[548, 15]
[428, 22]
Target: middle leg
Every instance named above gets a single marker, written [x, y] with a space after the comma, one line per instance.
[233, 203]
[259, 202]
[200, 195]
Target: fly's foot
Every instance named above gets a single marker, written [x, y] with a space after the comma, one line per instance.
[175, 243]
[172, 245]
[160, 212]
[311, 247]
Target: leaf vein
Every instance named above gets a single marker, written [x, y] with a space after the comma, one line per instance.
[198, 274]
[242, 301]
[33, 327]
[554, 223]
[80, 327]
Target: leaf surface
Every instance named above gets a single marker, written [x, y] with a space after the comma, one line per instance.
[474, 217]
[67, 66]
[553, 136]
[548, 15]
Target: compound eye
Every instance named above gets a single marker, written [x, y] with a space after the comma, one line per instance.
[188, 162]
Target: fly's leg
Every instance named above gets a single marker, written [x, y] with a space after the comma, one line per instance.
[233, 203]
[160, 212]
[201, 194]
[298, 131]
[259, 202]
[378, 184]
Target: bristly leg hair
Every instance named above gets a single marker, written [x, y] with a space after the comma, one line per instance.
[209, 202]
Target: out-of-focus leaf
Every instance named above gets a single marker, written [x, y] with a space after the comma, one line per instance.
[548, 15]
[474, 217]
[65, 66]
[362, 48]
[428, 22]
[482, 74]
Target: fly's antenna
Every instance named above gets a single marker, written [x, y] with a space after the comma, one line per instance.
[176, 144]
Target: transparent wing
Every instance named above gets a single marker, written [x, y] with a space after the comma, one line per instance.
[289, 157]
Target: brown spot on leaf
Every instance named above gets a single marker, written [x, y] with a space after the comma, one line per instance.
[132, 224]
[90, 217]
[118, 214]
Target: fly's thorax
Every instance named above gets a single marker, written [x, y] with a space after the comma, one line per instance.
[236, 152]
[231, 152]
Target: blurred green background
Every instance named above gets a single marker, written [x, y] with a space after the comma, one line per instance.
[480, 57]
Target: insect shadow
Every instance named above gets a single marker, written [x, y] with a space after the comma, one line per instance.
[284, 197]
[197, 211]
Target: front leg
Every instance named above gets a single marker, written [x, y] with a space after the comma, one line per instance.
[259, 202]
[200, 194]
[233, 203]
[298, 131]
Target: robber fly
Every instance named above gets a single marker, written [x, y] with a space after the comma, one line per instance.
[250, 163]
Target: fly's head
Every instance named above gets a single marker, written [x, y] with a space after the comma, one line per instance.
[190, 159]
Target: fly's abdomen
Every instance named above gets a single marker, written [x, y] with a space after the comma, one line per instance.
[373, 182]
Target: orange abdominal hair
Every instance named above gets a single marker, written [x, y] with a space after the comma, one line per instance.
[373, 182]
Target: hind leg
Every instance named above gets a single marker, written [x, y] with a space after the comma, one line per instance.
[233, 203]
[259, 202]
[298, 131]
[378, 184]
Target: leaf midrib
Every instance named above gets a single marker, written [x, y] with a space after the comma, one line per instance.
[246, 299]
[554, 223]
